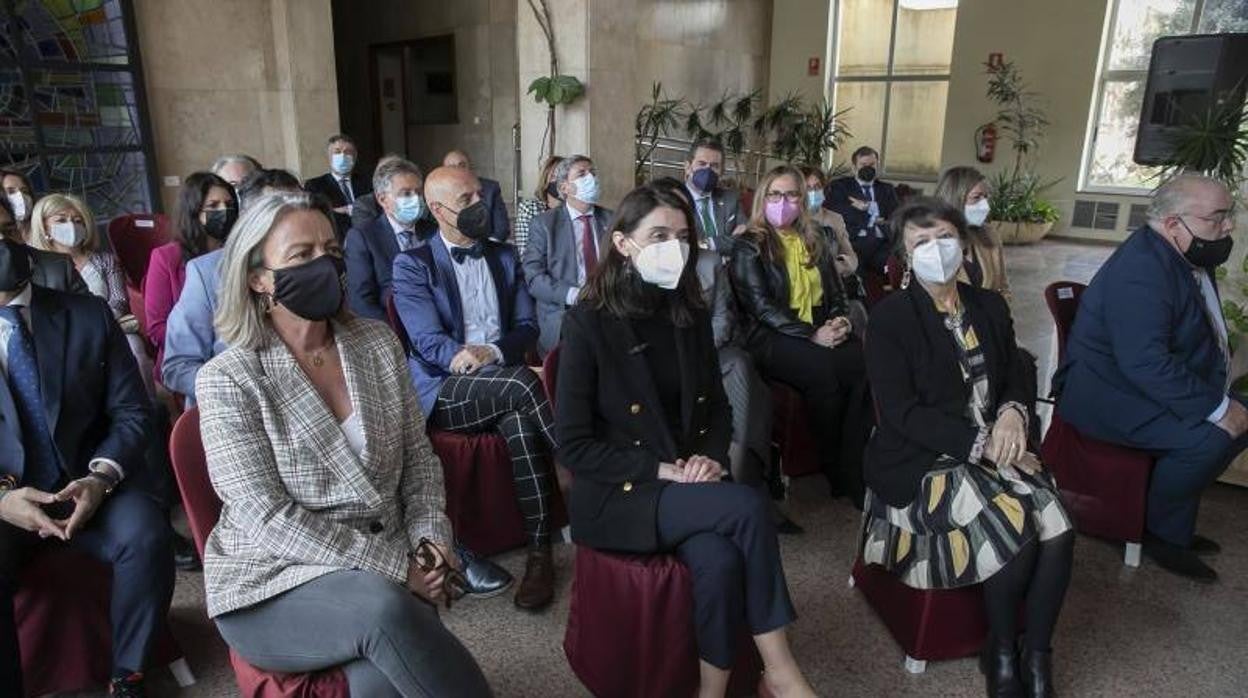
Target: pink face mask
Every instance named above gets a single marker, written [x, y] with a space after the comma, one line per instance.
[781, 213]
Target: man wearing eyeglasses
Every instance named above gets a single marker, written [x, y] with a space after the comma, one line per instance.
[1147, 363]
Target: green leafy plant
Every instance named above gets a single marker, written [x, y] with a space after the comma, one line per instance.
[1019, 200]
[1213, 142]
[555, 89]
[1016, 195]
[657, 118]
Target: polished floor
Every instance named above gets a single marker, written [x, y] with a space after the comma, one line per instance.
[1124, 631]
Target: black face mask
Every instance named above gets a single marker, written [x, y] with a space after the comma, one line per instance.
[473, 221]
[312, 290]
[219, 222]
[552, 191]
[14, 266]
[867, 173]
[1207, 254]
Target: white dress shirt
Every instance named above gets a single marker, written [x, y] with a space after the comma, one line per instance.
[580, 257]
[478, 299]
[1213, 309]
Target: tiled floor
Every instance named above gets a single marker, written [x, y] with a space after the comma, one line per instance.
[1124, 632]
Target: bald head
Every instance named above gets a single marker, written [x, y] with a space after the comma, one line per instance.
[457, 158]
[450, 190]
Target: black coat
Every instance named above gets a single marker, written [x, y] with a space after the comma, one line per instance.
[612, 430]
[836, 198]
[327, 186]
[920, 396]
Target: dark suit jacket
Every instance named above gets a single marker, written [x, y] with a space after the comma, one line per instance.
[1142, 360]
[612, 430]
[426, 295]
[327, 186]
[492, 195]
[366, 208]
[370, 253]
[550, 265]
[836, 198]
[93, 395]
[762, 289]
[726, 204]
[55, 271]
[912, 363]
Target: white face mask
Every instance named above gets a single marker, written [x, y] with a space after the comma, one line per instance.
[661, 263]
[68, 233]
[977, 213]
[937, 261]
[21, 204]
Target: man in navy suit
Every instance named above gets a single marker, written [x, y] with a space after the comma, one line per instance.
[404, 223]
[867, 204]
[342, 185]
[74, 423]
[469, 320]
[1147, 362]
[491, 194]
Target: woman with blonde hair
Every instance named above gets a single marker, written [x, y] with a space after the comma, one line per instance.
[966, 189]
[795, 316]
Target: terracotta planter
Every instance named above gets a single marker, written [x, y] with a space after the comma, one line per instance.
[1019, 233]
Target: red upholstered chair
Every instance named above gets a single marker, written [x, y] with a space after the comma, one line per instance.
[133, 237]
[791, 430]
[1104, 486]
[630, 629]
[186, 451]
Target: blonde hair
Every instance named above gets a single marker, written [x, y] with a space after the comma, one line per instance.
[242, 314]
[41, 238]
[765, 235]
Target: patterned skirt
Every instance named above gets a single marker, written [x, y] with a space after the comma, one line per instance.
[966, 523]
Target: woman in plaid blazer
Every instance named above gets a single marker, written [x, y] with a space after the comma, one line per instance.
[333, 544]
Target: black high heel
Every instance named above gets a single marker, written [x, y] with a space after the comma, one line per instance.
[1037, 669]
[999, 664]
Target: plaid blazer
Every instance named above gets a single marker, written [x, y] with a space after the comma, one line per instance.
[297, 501]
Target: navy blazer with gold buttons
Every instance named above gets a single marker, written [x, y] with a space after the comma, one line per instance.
[613, 433]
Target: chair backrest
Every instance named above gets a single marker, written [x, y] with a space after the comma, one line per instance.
[396, 324]
[550, 373]
[133, 237]
[1062, 297]
[186, 451]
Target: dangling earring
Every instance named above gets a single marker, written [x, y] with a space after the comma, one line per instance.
[266, 300]
[905, 278]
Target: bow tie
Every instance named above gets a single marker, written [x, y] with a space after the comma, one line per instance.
[475, 251]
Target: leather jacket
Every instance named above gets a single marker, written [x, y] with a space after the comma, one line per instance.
[762, 290]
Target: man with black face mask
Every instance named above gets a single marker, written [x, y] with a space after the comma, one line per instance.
[867, 204]
[1147, 362]
[74, 422]
[470, 319]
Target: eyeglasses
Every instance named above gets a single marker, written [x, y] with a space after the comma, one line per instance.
[774, 196]
[429, 558]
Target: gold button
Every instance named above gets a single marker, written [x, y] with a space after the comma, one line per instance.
[635, 408]
[701, 399]
[703, 432]
[637, 442]
[628, 487]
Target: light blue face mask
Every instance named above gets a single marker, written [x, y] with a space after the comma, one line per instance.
[587, 188]
[814, 199]
[408, 208]
[341, 163]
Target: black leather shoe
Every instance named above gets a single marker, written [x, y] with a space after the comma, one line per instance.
[185, 557]
[1037, 670]
[1204, 546]
[485, 578]
[128, 687]
[999, 663]
[1179, 560]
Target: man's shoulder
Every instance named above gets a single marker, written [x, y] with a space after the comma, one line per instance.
[84, 306]
[546, 219]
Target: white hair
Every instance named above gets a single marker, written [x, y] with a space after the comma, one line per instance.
[1173, 195]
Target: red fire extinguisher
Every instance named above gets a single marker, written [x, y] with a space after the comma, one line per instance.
[986, 142]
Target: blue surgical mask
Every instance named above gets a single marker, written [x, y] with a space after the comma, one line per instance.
[341, 163]
[408, 208]
[814, 199]
[587, 188]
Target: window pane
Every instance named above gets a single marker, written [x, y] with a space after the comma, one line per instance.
[17, 131]
[1224, 16]
[112, 183]
[924, 37]
[77, 32]
[1111, 163]
[865, 118]
[862, 40]
[916, 127]
[1139, 23]
[86, 109]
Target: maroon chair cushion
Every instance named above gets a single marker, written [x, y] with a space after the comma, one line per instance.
[630, 628]
[791, 430]
[133, 237]
[257, 683]
[928, 624]
[1062, 298]
[1104, 486]
[62, 613]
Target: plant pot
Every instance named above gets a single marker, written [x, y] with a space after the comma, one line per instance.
[1015, 233]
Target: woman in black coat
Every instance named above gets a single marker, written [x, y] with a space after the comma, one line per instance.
[644, 426]
[954, 496]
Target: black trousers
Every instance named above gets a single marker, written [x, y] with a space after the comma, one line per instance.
[130, 532]
[724, 534]
[833, 384]
[511, 401]
[872, 248]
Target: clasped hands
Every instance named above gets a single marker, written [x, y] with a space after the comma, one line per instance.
[431, 584]
[471, 358]
[23, 508]
[833, 332]
[692, 469]
[1007, 444]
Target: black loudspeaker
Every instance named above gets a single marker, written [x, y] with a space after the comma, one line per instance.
[1188, 75]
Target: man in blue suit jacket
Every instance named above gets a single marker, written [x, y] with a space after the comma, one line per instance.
[491, 194]
[74, 422]
[1147, 361]
[404, 223]
[469, 320]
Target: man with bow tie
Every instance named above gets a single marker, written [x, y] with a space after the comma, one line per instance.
[469, 320]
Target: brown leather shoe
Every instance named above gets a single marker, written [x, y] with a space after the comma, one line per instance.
[537, 589]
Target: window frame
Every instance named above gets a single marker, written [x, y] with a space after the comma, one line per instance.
[834, 53]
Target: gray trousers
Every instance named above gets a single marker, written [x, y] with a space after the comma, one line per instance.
[387, 641]
[750, 399]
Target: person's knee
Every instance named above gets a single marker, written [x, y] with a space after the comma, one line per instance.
[716, 561]
[379, 602]
[747, 504]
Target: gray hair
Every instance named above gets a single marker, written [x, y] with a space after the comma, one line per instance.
[565, 167]
[226, 160]
[241, 318]
[1172, 196]
[390, 168]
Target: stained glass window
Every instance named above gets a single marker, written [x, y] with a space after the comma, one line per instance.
[72, 108]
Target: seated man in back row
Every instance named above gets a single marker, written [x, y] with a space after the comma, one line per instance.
[1147, 363]
[469, 321]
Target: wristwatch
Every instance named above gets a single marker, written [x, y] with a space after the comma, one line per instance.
[105, 474]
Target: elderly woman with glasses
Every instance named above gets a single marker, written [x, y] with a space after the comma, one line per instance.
[332, 546]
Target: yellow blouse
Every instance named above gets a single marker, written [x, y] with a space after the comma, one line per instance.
[805, 282]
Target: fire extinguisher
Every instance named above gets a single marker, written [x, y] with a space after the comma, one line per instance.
[986, 142]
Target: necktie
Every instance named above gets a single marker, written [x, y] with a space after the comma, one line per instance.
[43, 468]
[405, 240]
[587, 244]
[708, 221]
[459, 253]
[345, 185]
